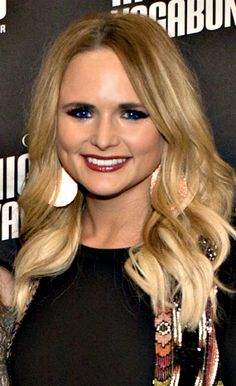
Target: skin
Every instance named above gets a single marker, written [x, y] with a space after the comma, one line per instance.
[101, 116]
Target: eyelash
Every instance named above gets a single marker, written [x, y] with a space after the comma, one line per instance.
[134, 115]
[80, 113]
[85, 113]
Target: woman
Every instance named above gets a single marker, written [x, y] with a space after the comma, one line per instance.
[126, 216]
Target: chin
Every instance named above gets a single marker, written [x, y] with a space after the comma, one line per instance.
[103, 194]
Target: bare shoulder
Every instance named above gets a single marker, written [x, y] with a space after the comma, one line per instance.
[6, 286]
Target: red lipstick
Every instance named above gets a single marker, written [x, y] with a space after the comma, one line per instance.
[105, 164]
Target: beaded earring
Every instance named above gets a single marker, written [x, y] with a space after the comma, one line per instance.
[67, 191]
[154, 178]
[182, 188]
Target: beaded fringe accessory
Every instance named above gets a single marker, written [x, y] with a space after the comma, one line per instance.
[33, 286]
[178, 348]
[172, 349]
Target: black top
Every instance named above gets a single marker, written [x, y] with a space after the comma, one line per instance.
[91, 326]
[87, 327]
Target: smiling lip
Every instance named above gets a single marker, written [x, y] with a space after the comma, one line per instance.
[105, 164]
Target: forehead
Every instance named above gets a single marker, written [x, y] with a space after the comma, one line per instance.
[93, 62]
[97, 73]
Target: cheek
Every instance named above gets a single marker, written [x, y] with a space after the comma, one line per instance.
[67, 137]
[64, 141]
[150, 143]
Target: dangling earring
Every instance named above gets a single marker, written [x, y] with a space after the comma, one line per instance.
[67, 191]
[182, 188]
[154, 178]
[182, 191]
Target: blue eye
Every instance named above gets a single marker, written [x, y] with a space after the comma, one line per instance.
[81, 113]
[134, 114]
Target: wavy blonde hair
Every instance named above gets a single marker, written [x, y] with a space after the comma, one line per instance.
[170, 260]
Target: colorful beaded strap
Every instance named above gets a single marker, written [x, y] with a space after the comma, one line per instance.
[177, 349]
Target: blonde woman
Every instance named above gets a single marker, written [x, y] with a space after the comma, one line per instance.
[126, 216]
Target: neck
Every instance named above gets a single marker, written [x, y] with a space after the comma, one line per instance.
[115, 222]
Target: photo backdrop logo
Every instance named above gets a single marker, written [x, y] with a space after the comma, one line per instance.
[3, 12]
[117, 3]
[3, 9]
[183, 17]
[13, 172]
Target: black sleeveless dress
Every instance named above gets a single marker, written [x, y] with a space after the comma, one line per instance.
[92, 326]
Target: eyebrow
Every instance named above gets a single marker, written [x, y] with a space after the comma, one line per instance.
[74, 105]
[121, 106]
[126, 106]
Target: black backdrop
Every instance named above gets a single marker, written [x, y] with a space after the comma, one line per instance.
[204, 29]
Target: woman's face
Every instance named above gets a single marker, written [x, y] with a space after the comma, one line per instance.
[105, 137]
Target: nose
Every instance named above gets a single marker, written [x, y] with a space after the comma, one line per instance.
[105, 133]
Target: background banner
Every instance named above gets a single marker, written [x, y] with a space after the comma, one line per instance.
[204, 29]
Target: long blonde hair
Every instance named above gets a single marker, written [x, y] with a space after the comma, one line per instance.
[171, 259]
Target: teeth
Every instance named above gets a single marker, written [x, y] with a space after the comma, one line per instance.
[105, 162]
